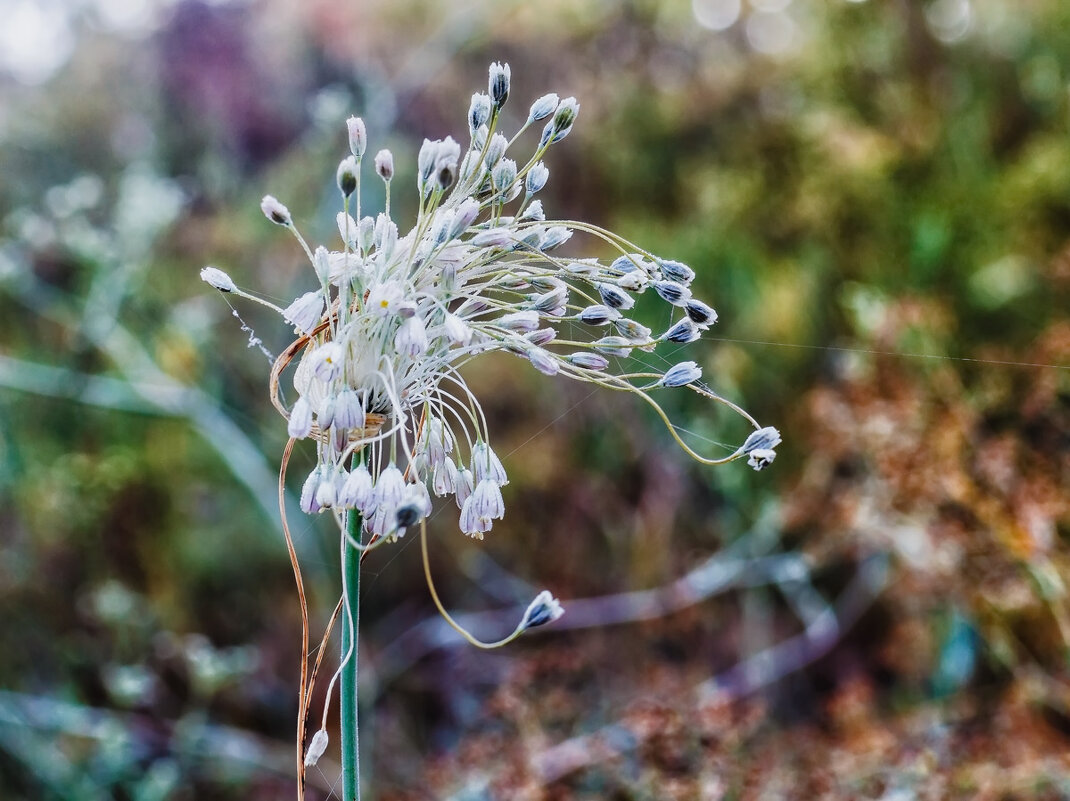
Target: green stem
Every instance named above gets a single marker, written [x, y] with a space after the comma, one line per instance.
[348, 686]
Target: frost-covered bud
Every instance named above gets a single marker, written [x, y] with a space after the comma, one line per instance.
[321, 263]
[625, 264]
[366, 233]
[358, 136]
[464, 216]
[384, 164]
[486, 464]
[759, 447]
[676, 271]
[635, 281]
[522, 321]
[703, 315]
[305, 312]
[588, 361]
[681, 374]
[552, 303]
[544, 609]
[308, 503]
[498, 83]
[300, 423]
[599, 315]
[446, 157]
[613, 346]
[464, 486]
[557, 235]
[425, 162]
[386, 235]
[316, 748]
[347, 229]
[444, 478]
[457, 331]
[543, 107]
[543, 361]
[411, 339]
[558, 128]
[683, 332]
[543, 336]
[326, 361]
[442, 225]
[347, 176]
[634, 332]
[275, 211]
[478, 111]
[672, 292]
[495, 150]
[495, 237]
[503, 174]
[479, 139]
[348, 410]
[218, 279]
[536, 178]
[615, 297]
[533, 212]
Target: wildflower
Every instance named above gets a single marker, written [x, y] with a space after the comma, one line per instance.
[394, 312]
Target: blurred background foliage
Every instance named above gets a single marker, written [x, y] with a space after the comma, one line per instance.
[853, 181]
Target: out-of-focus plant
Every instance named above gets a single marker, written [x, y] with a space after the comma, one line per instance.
[382, 338]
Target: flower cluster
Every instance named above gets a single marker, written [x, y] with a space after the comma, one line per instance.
[393, 317]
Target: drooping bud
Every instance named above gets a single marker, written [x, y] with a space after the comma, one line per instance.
[316, 748]
[544, 609]
[300, 423]
[305, 312]
[759, 447]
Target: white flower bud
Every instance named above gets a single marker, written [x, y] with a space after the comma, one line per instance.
[613, 346]
[305, 312]
[478, 111]
[300, 423]
[543, 107]
[316, 748]
[683, 332]
[544, 609]
[681, 374]
[703, 315]
[321, 262]
[672, 292]
[384, 164]
[498, 83]
[347, 176]
[536, 178]
[218, 279]
[615, 297]
[676, 271]
[599, 315]
[358, 136]
[543, 361]
[275, 211]
[588, 361]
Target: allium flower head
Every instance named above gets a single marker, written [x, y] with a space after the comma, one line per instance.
[391, 313]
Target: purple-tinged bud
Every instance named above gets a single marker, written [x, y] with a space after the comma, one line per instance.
[588, 361]
[384, 164]
[358, 136]
[275, 211]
